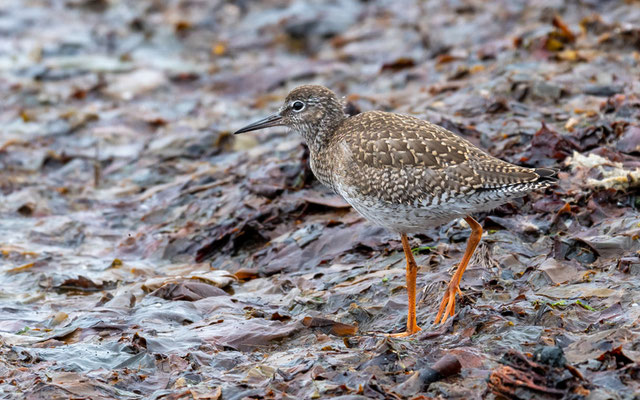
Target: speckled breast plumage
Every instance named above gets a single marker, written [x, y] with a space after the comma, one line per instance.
[407, 174]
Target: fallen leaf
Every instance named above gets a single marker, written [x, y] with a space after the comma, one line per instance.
[327, 326]
[559, 272]
[580, 290]
[187, 290]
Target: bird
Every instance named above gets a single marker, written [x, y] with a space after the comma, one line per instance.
[403, 173]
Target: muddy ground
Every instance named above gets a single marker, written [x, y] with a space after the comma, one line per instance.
[145, 252]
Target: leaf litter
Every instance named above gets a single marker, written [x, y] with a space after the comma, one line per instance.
[148, 253]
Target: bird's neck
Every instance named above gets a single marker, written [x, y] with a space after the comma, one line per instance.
[322, 146]
[319, 136]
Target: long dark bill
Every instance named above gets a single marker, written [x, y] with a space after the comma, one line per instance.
[271, 120]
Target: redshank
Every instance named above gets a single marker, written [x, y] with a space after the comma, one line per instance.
[402, 173]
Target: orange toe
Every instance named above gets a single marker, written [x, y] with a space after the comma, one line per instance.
[406, 333]
[448, 304]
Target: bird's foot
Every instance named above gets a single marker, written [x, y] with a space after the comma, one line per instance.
[410, 331]
[448, 304]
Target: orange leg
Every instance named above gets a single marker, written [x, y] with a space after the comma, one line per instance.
[449, 300]
[412, 272]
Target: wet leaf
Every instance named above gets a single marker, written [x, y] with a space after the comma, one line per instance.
[550, 378]
[398, 64]
[187, 290]
[328, 326]
[21, 268]
[559, 272]
[580, 290]
[547, 145]
[247, 335]
[614, 359]
[629, 142]
[83, 284]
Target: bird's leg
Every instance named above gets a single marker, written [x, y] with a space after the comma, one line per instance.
[412, 272]
[449, 300]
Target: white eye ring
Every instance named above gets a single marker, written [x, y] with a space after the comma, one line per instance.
[297, 106]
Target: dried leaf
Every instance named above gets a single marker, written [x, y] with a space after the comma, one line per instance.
[328, 326]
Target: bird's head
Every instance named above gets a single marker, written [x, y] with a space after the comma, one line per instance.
[311, 110]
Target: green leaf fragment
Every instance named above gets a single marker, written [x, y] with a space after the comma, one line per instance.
[585, 306]
[421, 249]
[23, 330]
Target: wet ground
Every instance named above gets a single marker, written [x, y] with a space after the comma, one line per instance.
[145, 252]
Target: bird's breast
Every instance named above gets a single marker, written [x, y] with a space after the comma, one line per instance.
[323, 170]
[331, 164]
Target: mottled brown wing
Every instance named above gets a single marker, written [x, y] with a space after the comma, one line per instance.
[384, 140]
[488, 174]
[391, 140]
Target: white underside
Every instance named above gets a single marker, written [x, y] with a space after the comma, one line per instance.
[405, 219]
[419, 217]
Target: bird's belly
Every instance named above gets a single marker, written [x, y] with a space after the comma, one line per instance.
[417, 217]
[402, 218]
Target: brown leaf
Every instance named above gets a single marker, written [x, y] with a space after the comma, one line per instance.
[630, 140]
[327, 326]
[200, 393]
[83, 284]
[522, 378]
[187, 290]
[21, 268]
[547, 145]
[276, 316]
[614, 359]
[564, 29]
[245, 274]
[247, 335]
[559, 272]
[398, 64]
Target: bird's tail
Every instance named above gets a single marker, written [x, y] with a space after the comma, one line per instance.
[547, 175]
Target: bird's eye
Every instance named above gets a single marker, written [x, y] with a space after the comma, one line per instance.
[297, 106]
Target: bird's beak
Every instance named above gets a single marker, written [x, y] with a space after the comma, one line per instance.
[271, 120]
